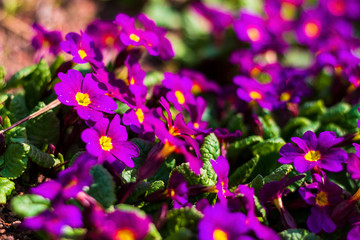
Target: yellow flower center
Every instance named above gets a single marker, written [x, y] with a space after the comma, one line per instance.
[288, 11]
[196, 88]
[82, 99]
[285, 96]
[134, 37]
[321, 199]
[132, 81]
[253, 33]
[312, 156]
[82, 54]
[172, 193]
[71, 183]
[140, 115]
[311, 30]
[220, 235]
[196, 125]
[105, 143]
[125, 234]
[180, 97]
[109, 40]
[255, 95]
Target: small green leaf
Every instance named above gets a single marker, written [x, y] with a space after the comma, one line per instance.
[29, 205]
[210, 150]
[334, 128]
[6, 187]
[15, 160]
[18, 108]
[138, 192]
[279, 173]
[192, 178]
[298, 234]
[2, 76]
[243, 172]
[17, 79]
[153, 233]
[182, 234]
[153, 78]
[155, 186]
[69, 233]
[335, 113]
[103, 187]
[41, 158]
[296, 127]
[44, 129]
[313, 109]
[183, 218]
[271, 129]
[235, 149]
[257, 183]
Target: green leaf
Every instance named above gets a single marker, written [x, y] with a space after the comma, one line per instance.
[183, 218]
[103, 187]
[29, 205]
[6, 187]
[130, 174]
[138, 192]
[15, 160]
[17, 79]
[334, 128]
[35, 84]
[192, 178]
[237, 148]
[296, 127]
[165, 169]
[153, 78]
[298, 234]
[243, 172]
[182, 234]
[279, 173]
[2, 76]
[335, 113]
[271, 129]
[56, 64]
[210, 150]
[313, 109]
[155, 186]
[69, 233]
[41, 158]
[257, 183]
[44, 129]
[18, 108]
[153, 233]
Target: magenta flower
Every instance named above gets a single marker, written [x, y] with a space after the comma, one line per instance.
[200, 83]
[323, 195]
[107, 141]
[105, 34]
[221, 168]
[177, 190]
[312, 151]
[83, 49]
[46, 41]
[84, 94]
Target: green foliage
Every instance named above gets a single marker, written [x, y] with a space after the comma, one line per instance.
[312, 110]
[192, 178]
[210, 150]
[243, 172]
[29, 205]
[44, 129]
[15, 160]
[238, 148]
[298, 234]
[6, 187]
[41, 158]
[271, 129]
[18, 108]
[183, 218]
[103, 187]
[19, 77]
[296, 127]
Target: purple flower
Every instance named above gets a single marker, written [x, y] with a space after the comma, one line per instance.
[312, 151]
[84, 94]
[219, 223]
[45, 40]
[54, 221]
[83, 49]
[353, 165]
[105, 34]
[219, 19]
[177, 190]
[221, 168]
[107, 141]
[323, 195]
[196, 112]
[199, 82]
[131, 36]
[180, 90]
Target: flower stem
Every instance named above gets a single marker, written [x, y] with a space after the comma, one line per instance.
[48, 107]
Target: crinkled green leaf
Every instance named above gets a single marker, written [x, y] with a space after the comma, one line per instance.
[29, 205]
[312, 109]
[257, 183]
[298, 234]
[210, 149]
[182, 234]
[44, 129]
[35, 84]
[183, 217]
[349, 122]
[236, 122]
[192, 178]
[103, 187]
[138, 192]
[271, 129]
[268, 146]
[18, 78]
[297, 126]
[41, 158]
[6, 187]
[15, 160]
[155, 186]
[334, 128]
[18, 108]
[130, 174]
[279, 173]
[243, 172]
[237, 148]
[335, 113]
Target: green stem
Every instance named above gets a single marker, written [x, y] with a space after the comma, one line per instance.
[48, 107]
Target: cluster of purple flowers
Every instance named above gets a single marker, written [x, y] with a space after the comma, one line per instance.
[171, 114]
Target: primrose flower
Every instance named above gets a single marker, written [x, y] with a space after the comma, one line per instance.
[219, 223]
[54, 221]
[84, 94]
[180, 90]
[196, 112]
[353, 166]
[199, 82]
[221, 168]
[312, 151]
[131, 36]
[46, 40]
[107, 141]
[219, 19]
[177, 190]
[105, 34]
[323, 195]
[83, 49]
